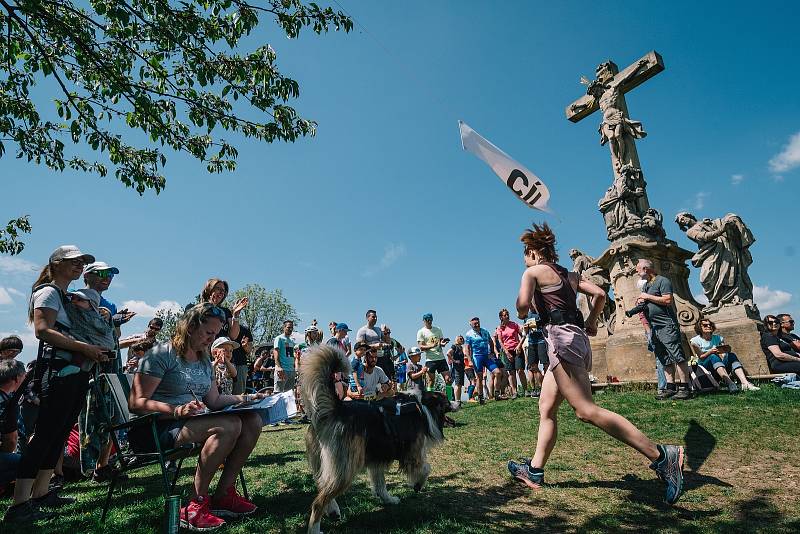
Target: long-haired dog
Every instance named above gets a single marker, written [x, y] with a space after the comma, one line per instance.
[345, 437]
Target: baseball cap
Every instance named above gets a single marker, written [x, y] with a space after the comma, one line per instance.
[414, 351]
[224, 341]
[99, 266]
[342, 326]
[427, 317]
[88, 294]
[69, 252]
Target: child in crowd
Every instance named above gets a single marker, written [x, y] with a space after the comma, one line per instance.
[415, 372]
[357, 365]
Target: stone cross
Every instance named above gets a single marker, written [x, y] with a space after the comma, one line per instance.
[625, 206]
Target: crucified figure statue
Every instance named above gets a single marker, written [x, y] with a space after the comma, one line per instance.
[616, 129]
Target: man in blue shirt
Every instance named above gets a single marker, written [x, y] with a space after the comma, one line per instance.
[479, 346]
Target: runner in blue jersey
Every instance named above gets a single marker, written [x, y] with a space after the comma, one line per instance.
[479, 346]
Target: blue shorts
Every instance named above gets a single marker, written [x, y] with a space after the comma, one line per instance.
[486, 362]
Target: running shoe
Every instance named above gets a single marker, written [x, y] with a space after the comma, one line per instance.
[732, 387]
[522, 472]
[197, 516]
[750, 387]
[482, 400]
[670, 470]
[232, 505]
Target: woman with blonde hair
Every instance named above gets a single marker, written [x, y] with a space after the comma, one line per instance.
[551, 291]
[60, 381]
[176, 379]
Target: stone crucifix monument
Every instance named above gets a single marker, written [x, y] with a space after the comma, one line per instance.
[634, 228]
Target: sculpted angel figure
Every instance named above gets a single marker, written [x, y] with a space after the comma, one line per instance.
[723, 258]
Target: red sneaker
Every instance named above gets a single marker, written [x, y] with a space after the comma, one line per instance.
[198, 517]
[232, 504]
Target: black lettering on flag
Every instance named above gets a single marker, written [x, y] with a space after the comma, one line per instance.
[534, 189]
[512, 180]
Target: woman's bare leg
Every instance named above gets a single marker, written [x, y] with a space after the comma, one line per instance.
[251, 430]
[219, 436]
[549, 401]
[573, 384]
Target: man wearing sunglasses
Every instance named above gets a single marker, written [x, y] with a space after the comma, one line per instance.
[98, 276]
[787, 325]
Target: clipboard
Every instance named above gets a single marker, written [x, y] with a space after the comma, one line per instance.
[272, 409]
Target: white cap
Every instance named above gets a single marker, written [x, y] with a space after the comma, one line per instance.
[88, 294]
[69, 252]
[414, 350]
[224, 341]
[99, 266]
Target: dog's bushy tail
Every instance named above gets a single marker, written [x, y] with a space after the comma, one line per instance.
[317, 388]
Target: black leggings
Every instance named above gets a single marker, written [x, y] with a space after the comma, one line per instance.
[784, 367]
[61, 401]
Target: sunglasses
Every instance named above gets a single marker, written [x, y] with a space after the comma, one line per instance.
[706, 325]
[108, 273]
[772, 322]
[214, 311]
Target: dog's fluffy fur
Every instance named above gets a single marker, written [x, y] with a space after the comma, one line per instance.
[341, 440]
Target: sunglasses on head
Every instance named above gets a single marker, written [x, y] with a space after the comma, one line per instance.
[214, 311]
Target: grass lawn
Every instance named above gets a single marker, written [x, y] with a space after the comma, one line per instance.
[743, 476]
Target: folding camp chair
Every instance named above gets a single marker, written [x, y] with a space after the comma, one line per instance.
[170, 460]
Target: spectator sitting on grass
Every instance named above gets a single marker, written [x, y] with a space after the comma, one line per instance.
[12, 373]
[716, 357]
[787, 325]
[10, 347]
[781, 356]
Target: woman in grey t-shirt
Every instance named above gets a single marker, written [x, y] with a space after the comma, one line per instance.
[176, 379]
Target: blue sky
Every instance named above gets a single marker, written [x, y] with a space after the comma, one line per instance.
[382, 209]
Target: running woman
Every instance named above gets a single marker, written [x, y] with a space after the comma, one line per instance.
[550, 290]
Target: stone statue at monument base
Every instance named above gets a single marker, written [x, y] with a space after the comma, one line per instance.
[723, 259]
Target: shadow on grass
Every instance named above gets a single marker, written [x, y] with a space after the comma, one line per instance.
[700, 443]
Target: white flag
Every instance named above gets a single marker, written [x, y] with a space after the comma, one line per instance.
[522, 182]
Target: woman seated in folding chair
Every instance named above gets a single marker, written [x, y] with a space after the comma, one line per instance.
[177, 380]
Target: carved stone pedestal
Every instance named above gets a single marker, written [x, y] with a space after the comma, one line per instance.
[738, 325]
[626, 354]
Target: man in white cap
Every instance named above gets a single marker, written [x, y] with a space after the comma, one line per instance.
[98, 276]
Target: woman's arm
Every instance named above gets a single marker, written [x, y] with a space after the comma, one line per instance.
[526, 288]
[44, 321]
[215, 401]
[140, 400]
[782, 356]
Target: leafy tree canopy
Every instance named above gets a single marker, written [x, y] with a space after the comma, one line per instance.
[171, 69]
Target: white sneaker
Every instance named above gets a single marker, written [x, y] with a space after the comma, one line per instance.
[750, 387]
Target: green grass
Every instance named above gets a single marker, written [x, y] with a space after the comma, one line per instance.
[742, 462]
